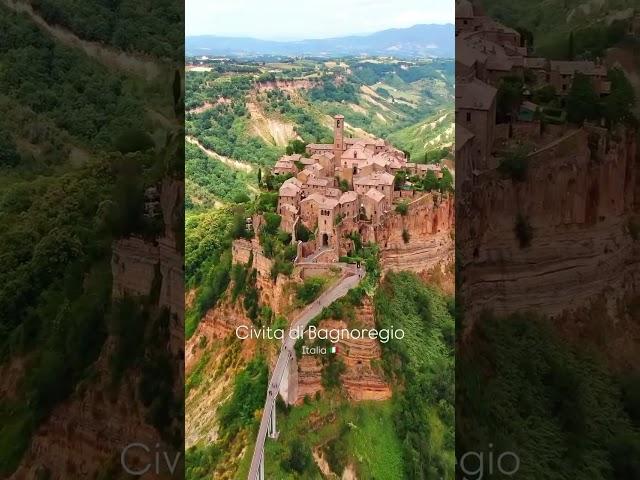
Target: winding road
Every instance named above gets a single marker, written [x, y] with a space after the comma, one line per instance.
[351, 278]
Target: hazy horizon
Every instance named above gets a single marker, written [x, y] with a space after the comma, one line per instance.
[287, 40]
[284, 21]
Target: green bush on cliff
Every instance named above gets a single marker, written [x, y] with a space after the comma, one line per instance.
[310, 289]
[249, 390]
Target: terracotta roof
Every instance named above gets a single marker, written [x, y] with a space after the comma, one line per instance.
[376, 178]
[320, 146]
[466, 55]
[585, 67]
[294, 181]
[314, 197]
[462, 136]
[317, 182]
[475, 95]
[375, 195]
[289, 190]
[349, 196]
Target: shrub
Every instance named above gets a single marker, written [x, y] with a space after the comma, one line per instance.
[310, 289]
[331, 373]
[402, 208]
[523, 230]
[302, 232]
[515, 165]
[299, 458]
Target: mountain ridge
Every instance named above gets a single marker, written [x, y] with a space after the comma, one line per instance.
[424, 40]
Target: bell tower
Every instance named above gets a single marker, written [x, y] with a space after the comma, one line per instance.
[338, 137]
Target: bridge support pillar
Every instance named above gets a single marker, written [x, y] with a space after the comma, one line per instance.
[272, 431]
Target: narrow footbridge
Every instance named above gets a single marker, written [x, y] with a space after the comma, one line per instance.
[351, 277]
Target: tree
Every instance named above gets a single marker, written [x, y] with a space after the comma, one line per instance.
[9, 156]
[299, 458]
[583, 102]
[259, 176]
[399, 179]
[509, 97]
[296, 146]
[523, 230]
[515, 164]
[405, 235]
[402, 208]
[571, 47]
[618, 105]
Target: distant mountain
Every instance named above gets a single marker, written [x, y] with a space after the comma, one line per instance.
[417, 41]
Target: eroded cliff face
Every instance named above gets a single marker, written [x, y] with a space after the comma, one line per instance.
[579, 200]
[86, 434]
[430, 224]
[213, 357]
[362, 378]
[287, 85]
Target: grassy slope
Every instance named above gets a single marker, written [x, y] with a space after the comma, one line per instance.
[366, 428]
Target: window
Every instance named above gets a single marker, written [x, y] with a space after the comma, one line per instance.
[468, 116]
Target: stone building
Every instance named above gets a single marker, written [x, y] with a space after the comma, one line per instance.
[363, 168]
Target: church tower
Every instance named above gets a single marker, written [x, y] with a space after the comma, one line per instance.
[338, 138]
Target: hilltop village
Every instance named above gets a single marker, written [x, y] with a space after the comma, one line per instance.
[347, 187]
[546, 150]
[491, 56]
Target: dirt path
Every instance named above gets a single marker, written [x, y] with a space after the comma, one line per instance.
[110, 57]
[229, 162]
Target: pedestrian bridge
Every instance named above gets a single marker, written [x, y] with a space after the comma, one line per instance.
[287, 359]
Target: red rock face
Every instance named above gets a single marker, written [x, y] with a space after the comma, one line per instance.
[361, 379]
[86, 434]
[578, 197]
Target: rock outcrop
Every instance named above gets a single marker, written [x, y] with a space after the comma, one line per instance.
[576, 205]
[361, 379]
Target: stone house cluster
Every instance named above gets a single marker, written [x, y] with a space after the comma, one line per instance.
[486, 52]
[341, 187]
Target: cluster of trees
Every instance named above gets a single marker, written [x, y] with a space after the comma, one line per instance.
[214, 177]
[79, 96]
[277, 245]
[330, 92]
[306, 124]
[125, 24]
[369, 73]
[517, 374]
[427, 183]
[310, 289]
[584, 103]
[424, 363]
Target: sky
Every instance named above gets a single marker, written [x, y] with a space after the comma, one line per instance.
[307, 19]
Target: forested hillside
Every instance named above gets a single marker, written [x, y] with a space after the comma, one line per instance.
[564, 29]
[77, 152]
